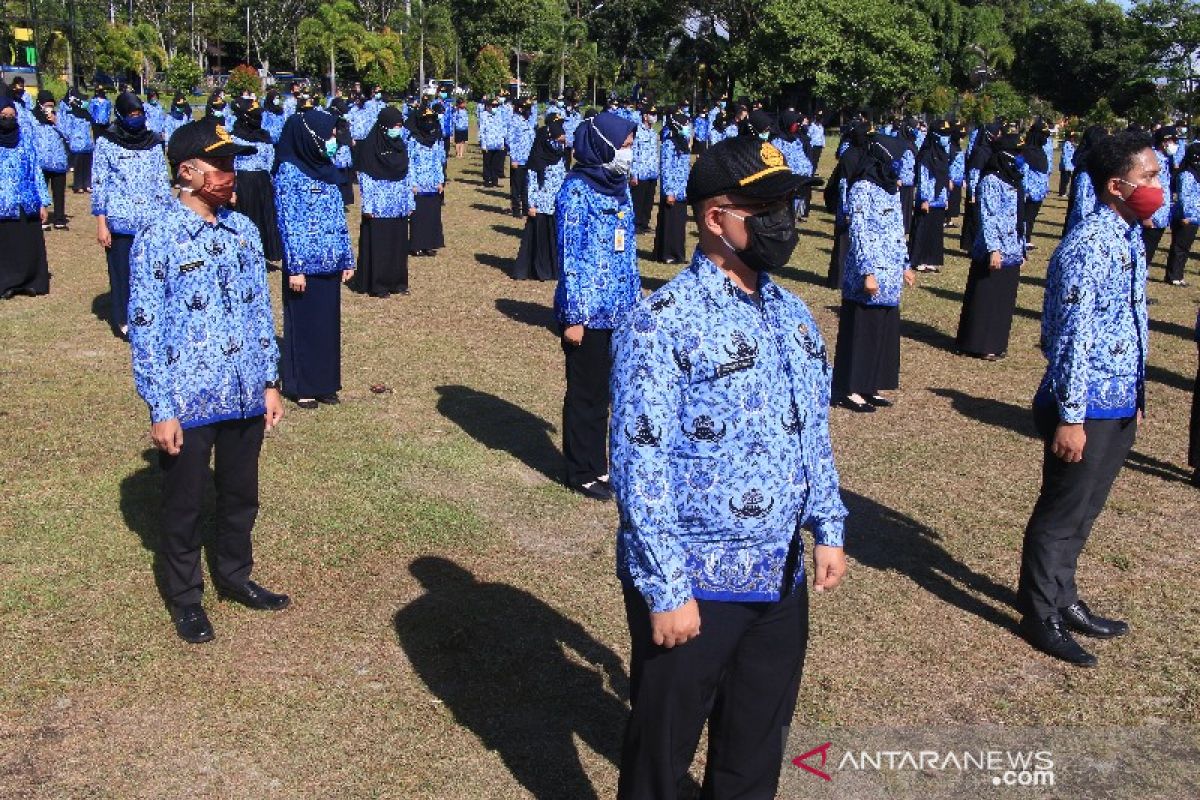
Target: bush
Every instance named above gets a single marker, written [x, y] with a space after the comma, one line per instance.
[183, 74]
[243, 78]
[490, 71]
[52, 84]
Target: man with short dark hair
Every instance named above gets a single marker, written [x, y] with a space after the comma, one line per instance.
[720, 454]
[1094, 336]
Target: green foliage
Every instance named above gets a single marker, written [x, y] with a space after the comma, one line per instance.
[938, 101]
[1101, 114]
[330, 31]
[489, 71]
[243, 78]
[382, 60]
[854, 52]
[183, 73]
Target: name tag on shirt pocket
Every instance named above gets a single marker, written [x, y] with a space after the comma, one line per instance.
[737, 365]
[190, 266]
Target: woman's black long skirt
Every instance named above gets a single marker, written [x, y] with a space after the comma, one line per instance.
[970, 227]
[867, 360]
[906, 205]
[312, 337]
[537, 257]
[927, 243]
[81, 179]
[382, 257]
[426, 232]
[23, 267]
[837, 256]
[987, 310]
[670, 238]
[256, 199]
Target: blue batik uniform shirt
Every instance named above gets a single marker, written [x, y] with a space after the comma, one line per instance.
[201, 333]
[23, 187]
[599, 282]
[876, 245]
[129, 187]
[312, 223]
[720, 440]
[51, 146]
[1094, 326]
[645, 153]
[998, 223]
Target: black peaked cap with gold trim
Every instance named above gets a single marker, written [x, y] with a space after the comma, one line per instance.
[745, 166]
[204, 138]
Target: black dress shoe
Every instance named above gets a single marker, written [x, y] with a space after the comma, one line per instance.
[251, 595]
[880, 402]
[1052, 638]
[192, 625]
[1080, 619]
[596, 490]
[308, 404]
[853, 405]
[329, 399]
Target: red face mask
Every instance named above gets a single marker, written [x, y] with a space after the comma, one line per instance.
[217, 189]
[1143, 201]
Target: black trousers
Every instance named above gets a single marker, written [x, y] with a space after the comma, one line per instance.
[117, 256]
[81, 178]
[643, 202]
[1072, 496]
[517, 189]
[742, 674]
[816, 159]
[585, 407]
[57, 181]
[1064, 180]
[236, 444]
[1182, 237]
[493, 166]
[1032, 209]
[1151, 237]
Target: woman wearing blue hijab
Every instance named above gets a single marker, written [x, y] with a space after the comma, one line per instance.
[600, 282]
[317, 258]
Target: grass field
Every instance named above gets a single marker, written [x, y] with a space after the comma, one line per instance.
[457, 631]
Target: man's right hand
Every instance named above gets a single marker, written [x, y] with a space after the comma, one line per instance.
[103, 235]
[671, 628]
[574, 335]
[167, 436]
[1069, 441]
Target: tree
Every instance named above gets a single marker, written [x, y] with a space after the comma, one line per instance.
[183, 73]
[148, 54]
[243, 78]
[1171, 30]
[430, 37]
[382, 60]
[853, 52]
[490, 70]
[332, 30]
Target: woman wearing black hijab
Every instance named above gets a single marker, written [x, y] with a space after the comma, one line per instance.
[317, 257]
[24, 208]
[344, 159]
[1082, 200]
[545, 172]
[996, 257]
[980, 155]
[849, 165]
[1186, 214]
[384, 179]
[927, 240]
[130, 189]
[255, 192]
[76, 123]
[427, 162]
[1036, 177]
[178, 115]
[670, 237]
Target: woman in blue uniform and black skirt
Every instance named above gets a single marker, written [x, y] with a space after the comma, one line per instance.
[255, 192]
[381, 160]
[427, 163]
[670, 237]
[545, 172]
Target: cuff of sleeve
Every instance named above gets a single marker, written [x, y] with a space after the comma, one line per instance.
[162, 413]
[1071, 417]
[667, 597]
[829, 533]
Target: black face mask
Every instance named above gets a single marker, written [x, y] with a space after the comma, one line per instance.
[772, 239]
[8, 124]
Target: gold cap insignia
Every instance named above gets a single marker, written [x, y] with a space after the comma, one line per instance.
[223, 138]
[770, 155]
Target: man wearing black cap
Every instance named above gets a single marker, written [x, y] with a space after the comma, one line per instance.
[206, 363]
[720, 454]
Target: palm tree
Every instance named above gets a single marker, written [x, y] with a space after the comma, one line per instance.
[330, 31]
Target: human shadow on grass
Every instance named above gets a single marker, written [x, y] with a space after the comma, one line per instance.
[140, 499]
[508, 230]
[532, 314]
[1019, 419]
[881, 538]
[927, 334]
[491, 208]
[491, 260]
[500, 425]
[517, 673]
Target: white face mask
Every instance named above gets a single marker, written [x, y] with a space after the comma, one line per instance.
[1171, 148]
[622, 163]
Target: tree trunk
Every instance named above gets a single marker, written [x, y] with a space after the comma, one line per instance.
[421, 70]
[332, 71]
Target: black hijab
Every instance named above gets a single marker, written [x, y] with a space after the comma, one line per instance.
[302, 144]
[789, 126]
[1003, 160]
[247, 123]
[39, 113]
[211, 109]
[9, 139]
[544, 153]
[878, 164]
[674, 128]
[935, 158]
[424, 127]
[380, 156]
[180, 107]
[143, 139]
[76, 106]
[1034, 151]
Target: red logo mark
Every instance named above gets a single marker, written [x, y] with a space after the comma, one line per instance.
[824, 751]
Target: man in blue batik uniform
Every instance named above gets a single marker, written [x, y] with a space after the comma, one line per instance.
[206, 363]
[1094, 336]
[720, 455]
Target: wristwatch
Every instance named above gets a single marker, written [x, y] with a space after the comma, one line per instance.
[275, 384]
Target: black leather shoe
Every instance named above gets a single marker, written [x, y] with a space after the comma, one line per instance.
[879, 402]
[251, 595]
[596, 490]
[307, 403]
[1080, 619]
[1052, 638]
[861, 408]
[192, 625]
[329, 399]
